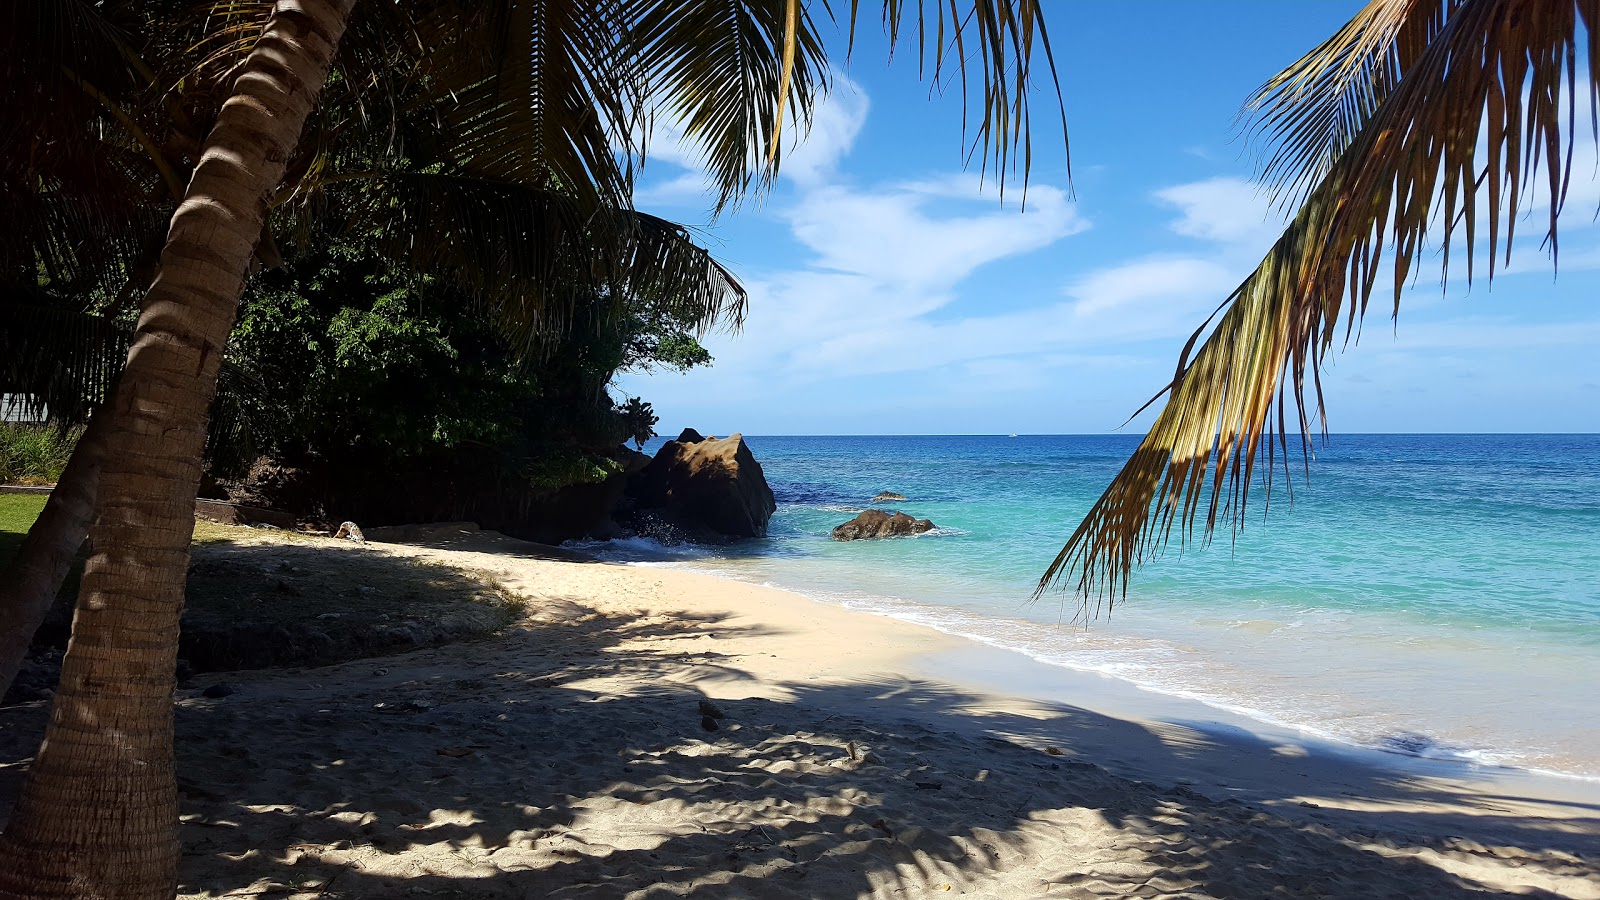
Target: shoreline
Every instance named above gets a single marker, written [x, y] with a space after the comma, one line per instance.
[1148, 702]
[856, 755]
[1007, 676]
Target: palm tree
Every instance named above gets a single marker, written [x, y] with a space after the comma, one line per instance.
[98, 811]
[98, 161]
[1418, 120]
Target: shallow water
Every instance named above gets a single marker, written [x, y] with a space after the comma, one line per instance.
[1436, 595]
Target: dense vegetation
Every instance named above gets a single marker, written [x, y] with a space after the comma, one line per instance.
[388, 393]
[34, 454]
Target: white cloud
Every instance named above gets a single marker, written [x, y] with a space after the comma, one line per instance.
[1120, 286]
[811, 158]
[891, 235]
[1228, 210]
[835, 123]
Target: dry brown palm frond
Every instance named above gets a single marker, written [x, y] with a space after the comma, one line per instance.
[997, 39]
[1455, 145]
[1309, 113]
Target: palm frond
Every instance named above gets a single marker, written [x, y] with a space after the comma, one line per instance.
[729, 72]
[1456, 145]
[57, 359]
[534, 256]
[1311, 112]
[986, 49]
[536, 92]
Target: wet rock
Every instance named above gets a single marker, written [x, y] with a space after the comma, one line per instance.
[875, 523]
[888, 497]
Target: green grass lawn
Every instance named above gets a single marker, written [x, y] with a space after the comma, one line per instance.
[17, 512]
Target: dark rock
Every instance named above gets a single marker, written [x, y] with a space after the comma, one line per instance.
[888, 497]
[875, 523]
[712, 486]
[219, 690]
[224, 513]
[419, 533]
[690, 436]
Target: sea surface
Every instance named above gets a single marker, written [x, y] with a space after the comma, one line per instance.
[1433, 595]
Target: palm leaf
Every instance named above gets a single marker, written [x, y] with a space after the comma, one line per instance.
[1309, 113]
[57, 359]
[1454, 146]
[986, 48]
[536, 92]
[729, 72]
[534, 256]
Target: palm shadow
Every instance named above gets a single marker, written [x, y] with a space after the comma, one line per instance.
[535, 765]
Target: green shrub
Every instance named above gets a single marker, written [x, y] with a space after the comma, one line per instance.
[34, 454]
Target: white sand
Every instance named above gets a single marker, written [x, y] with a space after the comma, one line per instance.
[859, 756]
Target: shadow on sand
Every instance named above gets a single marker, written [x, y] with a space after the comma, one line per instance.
[563, 761]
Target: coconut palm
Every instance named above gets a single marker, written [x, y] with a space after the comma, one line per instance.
[1419, 121]
[95, 157]
[97, 814]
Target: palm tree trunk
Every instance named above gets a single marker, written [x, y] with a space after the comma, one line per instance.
[98, 813]
[30, 583]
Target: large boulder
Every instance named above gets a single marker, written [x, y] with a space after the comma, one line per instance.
[710, 487]
[875, 523]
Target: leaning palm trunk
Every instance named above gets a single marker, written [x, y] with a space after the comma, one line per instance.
[29, 584]
[98, 813]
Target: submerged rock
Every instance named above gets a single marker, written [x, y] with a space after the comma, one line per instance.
[875, 523]
[888, 497]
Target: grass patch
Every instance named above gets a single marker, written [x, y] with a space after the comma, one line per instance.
[17, 512]
[34, 454]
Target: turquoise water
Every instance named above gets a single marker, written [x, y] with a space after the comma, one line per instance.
[1429, 594]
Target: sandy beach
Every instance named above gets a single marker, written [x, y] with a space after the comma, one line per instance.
[855, 756]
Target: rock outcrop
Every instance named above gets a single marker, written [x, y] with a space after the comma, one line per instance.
[875, 523]
[709, 487]
[888, 497]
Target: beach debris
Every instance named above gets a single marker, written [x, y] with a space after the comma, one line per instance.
[888, 497]
[711, 711]
[219, 690]
[403, 706]
[709, 723]
[350, 531]
[875, 523]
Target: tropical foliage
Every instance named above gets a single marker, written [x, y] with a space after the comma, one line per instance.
[34, 454]
[1421, 127]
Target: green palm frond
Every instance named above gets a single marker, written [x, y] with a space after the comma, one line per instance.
[729, 72]
[534, 256]
[1455, 146]
[57, 359]
[535, 92]
[80, 161]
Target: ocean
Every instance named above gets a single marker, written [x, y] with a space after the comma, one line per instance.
[1432, 595]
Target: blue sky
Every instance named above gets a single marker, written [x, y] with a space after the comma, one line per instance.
[893, 293]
